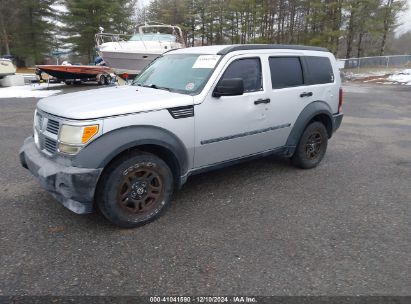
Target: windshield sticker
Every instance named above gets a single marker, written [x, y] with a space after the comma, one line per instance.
[189, 86]
[206, 61]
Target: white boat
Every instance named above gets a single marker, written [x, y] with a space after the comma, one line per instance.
[129, 55]
[6, 67]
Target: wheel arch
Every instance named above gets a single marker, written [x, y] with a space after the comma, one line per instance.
[315, 111]
[117, 143]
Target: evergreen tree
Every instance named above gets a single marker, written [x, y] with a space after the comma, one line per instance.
[84, 17]
[25, 28]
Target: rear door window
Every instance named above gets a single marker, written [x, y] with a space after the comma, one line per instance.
[320, 70]
[286, 72]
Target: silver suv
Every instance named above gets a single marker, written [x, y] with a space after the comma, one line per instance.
[126, 149]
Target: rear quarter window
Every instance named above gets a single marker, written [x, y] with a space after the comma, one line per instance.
[320, 70]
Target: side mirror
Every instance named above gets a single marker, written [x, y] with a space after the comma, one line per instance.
[229, 87]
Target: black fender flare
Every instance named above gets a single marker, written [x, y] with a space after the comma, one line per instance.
[313, 109]
[109, 145]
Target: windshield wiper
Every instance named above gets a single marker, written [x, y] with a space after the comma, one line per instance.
[154, 86]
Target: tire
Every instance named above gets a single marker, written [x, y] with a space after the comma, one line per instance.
[135, 190]
[101, 80]
[68, 82]
[107, 80]
[311, 147]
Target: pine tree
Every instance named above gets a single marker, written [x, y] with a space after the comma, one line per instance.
[83, 19]
[25, 28]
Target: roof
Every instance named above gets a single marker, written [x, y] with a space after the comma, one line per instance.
[211, 50]
[225, 49]
[241, 47]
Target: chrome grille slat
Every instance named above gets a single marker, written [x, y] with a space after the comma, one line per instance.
[41, 141]
[47, 127]
[39, 119]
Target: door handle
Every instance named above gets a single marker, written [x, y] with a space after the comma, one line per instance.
[306, 94]
[259, 101]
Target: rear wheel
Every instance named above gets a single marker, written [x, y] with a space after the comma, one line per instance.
[312, 146]
[135, 190]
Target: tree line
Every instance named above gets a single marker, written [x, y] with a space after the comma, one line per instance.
[349, 28]
[33, 29]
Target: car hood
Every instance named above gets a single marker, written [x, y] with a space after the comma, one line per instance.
[112, 101]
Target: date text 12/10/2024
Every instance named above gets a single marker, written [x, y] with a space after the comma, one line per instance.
[202, 299]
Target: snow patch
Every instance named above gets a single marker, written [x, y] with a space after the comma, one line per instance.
[32, 90]
[403, 77]
[359, 76]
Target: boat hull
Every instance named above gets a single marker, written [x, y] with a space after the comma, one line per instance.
[128, 62]
[70, 72]
[6, 67]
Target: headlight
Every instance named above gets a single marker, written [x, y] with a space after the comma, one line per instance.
[72, 138]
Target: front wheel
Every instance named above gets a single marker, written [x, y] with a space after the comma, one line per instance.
[135, 190]
[312, 146]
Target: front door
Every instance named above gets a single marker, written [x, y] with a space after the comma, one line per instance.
[231, 127]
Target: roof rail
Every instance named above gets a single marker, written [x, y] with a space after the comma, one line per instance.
[242, 47]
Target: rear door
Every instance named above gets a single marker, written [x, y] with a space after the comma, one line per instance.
[321, 80]
[296, 81]
[287, 86]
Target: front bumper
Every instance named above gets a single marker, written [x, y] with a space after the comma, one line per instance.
[337, 119]
[73, 187]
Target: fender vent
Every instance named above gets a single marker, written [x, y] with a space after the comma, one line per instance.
[182, 112]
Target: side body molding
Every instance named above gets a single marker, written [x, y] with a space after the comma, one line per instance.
[308, 113]
[102, 150]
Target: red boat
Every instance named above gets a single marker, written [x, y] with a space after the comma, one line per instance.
[77, 73]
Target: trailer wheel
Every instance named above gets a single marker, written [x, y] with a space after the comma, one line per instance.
[107, 80]
[68, 82]
[101, 80]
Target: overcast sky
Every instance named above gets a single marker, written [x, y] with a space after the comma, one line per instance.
[405, 19]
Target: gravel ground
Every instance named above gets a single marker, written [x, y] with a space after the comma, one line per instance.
[259, 228]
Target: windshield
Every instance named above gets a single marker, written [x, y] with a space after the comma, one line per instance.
[182, 73]
[153, 37]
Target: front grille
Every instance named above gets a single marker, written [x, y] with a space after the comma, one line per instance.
[53, 126]
[50, 145]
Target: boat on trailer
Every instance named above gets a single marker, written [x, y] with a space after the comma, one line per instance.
[6, 67]
[129, 54]
[77, 73]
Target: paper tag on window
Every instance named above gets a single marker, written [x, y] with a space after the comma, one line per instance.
[206, 61]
